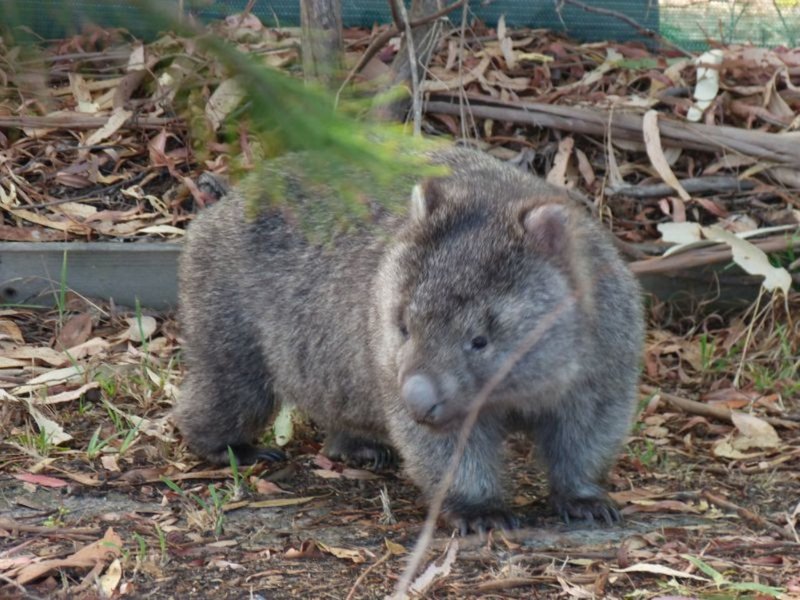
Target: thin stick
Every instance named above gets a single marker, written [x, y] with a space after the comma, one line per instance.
[383, 38]
[745, 514]
[416, 100]
[720, 413]
[437, 500]
[461, 94]
[366, 572]
[747, 339]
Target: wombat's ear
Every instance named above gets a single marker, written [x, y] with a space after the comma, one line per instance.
[547, 228]
[425, 197]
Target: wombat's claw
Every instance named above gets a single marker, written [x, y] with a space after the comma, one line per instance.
[385, 459]
[481, 523]
[587, 509]
[374, 456]
[248, 454]
[361, 452]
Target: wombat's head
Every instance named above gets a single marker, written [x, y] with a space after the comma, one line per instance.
[482, 289]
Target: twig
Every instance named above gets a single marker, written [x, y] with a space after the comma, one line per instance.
[750, 328]
[74, 121]
[720, 413]
[416, 100]
[387, 34]
[693, 185]
[366, 572]
[475, 406]
[642, 30]
[246, 12]
[462, 99]
[747, 515]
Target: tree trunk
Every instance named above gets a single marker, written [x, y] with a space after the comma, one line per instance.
[322, 40]
[425, 38]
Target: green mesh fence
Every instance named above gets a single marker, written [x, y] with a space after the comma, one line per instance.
[689, 23]
[54, 18]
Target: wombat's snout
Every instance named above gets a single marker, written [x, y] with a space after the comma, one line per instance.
[419, 394]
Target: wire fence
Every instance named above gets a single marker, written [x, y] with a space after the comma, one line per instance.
[691, 24]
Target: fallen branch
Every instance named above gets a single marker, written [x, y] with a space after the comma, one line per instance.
[745, 514]
[765, 146]
[720, 413]
[719, 253]
[717, 184]
[76, 121]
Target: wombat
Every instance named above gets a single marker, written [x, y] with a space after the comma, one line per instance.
[385, 335]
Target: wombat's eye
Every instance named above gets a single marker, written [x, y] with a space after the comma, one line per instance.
[479, 342]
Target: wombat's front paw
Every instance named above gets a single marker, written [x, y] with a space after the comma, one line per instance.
[376, 456]
[360, 451]
[248, 454]
[587, 509]
[480, 519]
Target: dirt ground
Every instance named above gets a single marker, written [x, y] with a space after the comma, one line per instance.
[335, 539]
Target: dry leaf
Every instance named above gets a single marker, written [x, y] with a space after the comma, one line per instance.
[53, 377]
[724, 449]
[283, 425]
[110, 547]
[358, 474]
[77, 210]
[225, 99]
[326, 473]
[268, 487]
[279, 502]
[558, 173]
[506, 43]
[753, 432]
[42, 480]
[90, 347]
[110, 462]
[75, 331]
[427, 578]
[67, 396]
[53, 432]
[10, 330]
[163, 230]
[680, 233]
[394, 548]
[585, 167]
[109, 580]
[308, 549]
[652, 142]
[751, 259]
[659, 570]
[707, 86]
[38, 354]
[357, 556]
[141, 328]
[115, 121]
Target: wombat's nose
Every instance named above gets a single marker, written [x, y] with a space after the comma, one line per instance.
[419, 394]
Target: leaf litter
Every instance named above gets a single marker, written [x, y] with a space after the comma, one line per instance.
[673, 151]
